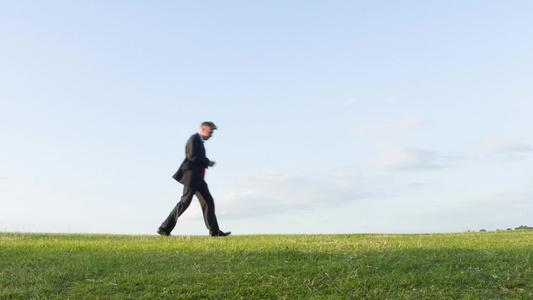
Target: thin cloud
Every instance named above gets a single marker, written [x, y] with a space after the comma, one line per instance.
[274, 194]
[350, 102]
[396, 126]
[523, 104]
[407, 159]
[501, 148]
[507, 151]
[506, 210]
[400, 125]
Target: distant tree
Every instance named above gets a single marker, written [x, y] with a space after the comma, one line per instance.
[483, 230]
[523, 227]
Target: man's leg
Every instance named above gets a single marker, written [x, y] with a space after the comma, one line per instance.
[208, 207]
[169, 224]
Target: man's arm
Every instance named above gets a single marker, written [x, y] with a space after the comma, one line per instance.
[195, 152]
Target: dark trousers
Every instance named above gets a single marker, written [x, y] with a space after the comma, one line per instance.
[206, 202]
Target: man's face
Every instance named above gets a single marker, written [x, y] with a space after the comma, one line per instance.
[206, 132]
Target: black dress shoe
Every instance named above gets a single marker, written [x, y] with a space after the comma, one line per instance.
[161, 231]
[220, 233]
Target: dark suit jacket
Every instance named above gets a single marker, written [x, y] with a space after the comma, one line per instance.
[190, 171]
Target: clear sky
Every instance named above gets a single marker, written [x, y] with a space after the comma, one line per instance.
[333, 116]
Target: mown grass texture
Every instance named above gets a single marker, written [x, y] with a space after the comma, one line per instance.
[482, 265]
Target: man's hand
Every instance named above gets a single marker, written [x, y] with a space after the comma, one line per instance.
[212, 163]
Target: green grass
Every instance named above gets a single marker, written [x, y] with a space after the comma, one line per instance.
[484, 265]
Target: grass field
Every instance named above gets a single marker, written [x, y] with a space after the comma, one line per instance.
[480, 265]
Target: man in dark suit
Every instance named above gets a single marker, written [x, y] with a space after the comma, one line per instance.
[191, 175]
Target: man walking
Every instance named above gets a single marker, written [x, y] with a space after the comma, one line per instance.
[191, 175]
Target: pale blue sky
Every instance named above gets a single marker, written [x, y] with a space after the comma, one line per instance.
[333, 116]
